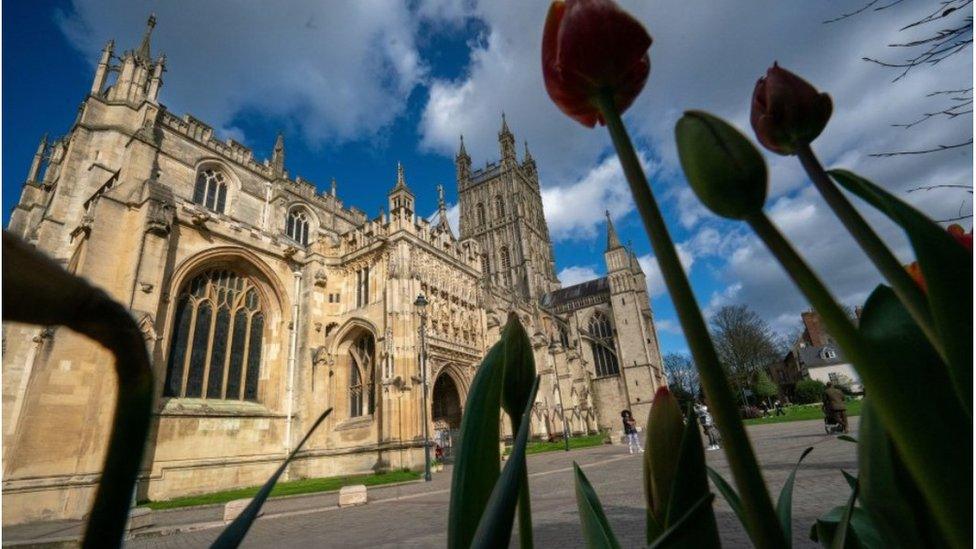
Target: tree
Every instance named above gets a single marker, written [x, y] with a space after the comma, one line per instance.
[744, 343]
[682, 377]
[764, 387]
[809, 391]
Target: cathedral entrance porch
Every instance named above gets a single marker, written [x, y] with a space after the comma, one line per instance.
[446, 415]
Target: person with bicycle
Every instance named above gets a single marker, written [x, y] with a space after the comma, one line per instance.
[834, 404]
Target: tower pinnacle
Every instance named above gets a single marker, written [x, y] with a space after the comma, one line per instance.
[278, 155]
[144, 51]
[613, 241]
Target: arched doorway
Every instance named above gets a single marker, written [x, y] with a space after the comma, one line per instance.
[446, 416]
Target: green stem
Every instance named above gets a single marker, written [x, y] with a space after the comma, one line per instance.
[924, 450]
[763, 524]
[902, 284]
[524, 503]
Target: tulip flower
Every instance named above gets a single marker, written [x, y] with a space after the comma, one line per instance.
[592, 47]
[915, 271]
[787, 112]
[961, 236]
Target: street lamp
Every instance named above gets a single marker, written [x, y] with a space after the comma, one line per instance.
[559, 392]
[421, 304]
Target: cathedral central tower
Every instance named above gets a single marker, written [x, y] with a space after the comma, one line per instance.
[501, 208]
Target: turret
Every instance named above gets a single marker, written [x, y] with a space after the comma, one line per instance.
[278, 156]
[462, 163]
[616, 256]
[528, 163]
[101, 71]
[35, 167]
[139, 77]
[442, 223]
[506, 142]
[400, 196]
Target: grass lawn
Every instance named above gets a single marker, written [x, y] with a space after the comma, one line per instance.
[800, 413]
[537, 447]
[303, 486]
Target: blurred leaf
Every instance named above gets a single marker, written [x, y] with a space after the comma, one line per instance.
[477, 465]
[234, 533]
[673, 536]
[847, 438]
[690, 484]
[596, 530]
[784, 507]
[923, 419]
[948, 271]
[843, 526]
[851, 479]
[863, 532]
[728, 492]
[665, 428]
[495, 527]
[888, 493]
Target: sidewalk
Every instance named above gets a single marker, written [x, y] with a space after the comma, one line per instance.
[187, 519]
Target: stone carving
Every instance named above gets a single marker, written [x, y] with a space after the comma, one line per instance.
[320, 279]
[159, 218]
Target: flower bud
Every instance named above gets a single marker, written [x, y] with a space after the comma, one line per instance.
[590, 47]
[787, 112]
[962, 237]
[726, 171]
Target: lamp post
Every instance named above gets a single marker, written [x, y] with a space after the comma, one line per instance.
[559, 393]
[421, 304]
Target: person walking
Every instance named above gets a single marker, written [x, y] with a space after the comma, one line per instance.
[834, 403]
[630, 431]
[779, 407]
[708, 425]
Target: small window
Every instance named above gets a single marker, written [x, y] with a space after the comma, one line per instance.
[210, 190]
[484, 264]
[296, 226]
[480, 209]
[499, 206]
[506, 266]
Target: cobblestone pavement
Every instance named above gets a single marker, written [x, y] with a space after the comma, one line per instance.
[416, 515]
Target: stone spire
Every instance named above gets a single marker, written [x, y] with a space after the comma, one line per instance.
[401, 182]
[506, 142]
[333, 189]
[613, 241]
[278, 155]
[144, 52]
[462, 165]
[442, 222]
[400, 196]
[35, 167]
[528, 156]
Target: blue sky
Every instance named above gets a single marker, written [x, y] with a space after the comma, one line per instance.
[358, 86]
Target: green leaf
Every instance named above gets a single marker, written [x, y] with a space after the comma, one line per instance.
[918, 408]
[888, 493]
[665, 427]
[476, 467]
[948, 271]
[843, 526]
[689, 485]
[862, 533]
[784, 507]
[674, 535]
[851, 479]
[519, 377]
[847, 438]
[596, 530]
[728, 492]
[234, 533]
[495, 527]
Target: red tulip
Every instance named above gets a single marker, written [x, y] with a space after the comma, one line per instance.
[589, 47]
[961, 236]
[915, 272]
[787, 112]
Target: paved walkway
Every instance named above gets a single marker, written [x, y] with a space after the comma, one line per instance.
[415, 514]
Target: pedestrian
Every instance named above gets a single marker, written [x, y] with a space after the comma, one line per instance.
[705, 419]
[630, 431]
[779, 408]
[834, 403]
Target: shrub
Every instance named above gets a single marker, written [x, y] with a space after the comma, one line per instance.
[750, 412]
[809, 391]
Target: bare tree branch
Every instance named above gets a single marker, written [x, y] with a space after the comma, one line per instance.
[969, 188]
[863, 8]
[925, 151]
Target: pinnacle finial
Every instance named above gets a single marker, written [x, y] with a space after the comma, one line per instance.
[333, 190]
[504, 124]
[528, 155]
[613, 241]
[462, 151]
[280, 141]
[401, 179]
[144, 51]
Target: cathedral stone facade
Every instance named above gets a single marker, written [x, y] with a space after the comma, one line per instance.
[264, 301]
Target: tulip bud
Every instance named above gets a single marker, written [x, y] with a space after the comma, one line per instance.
[962, 237]
[519, 368]
[590, 47]
[726, 171]
[664, 431]
[787, 112]
[915, 271]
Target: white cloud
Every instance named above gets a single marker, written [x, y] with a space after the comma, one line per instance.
[655, 280]
[576, 274]
[338, 71]
[453, 217]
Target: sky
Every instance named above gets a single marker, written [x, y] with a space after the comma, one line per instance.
[358, 86]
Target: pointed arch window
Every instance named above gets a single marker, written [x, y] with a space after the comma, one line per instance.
[484, 265]
[361, 393]
[603, 346]
[499, 206]
[480, 210]
[296, 226]
[506, 265]
[215, 349]
[210, 190]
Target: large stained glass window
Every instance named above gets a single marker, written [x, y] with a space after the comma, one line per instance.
[361, 376]
[602, 345]
[215, 350]
[210, 190]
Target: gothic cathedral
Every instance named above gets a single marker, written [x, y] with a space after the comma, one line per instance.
[264, 301]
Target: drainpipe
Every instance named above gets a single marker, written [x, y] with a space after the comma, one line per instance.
[292, 354]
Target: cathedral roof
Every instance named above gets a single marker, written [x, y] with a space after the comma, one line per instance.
[589, 288]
